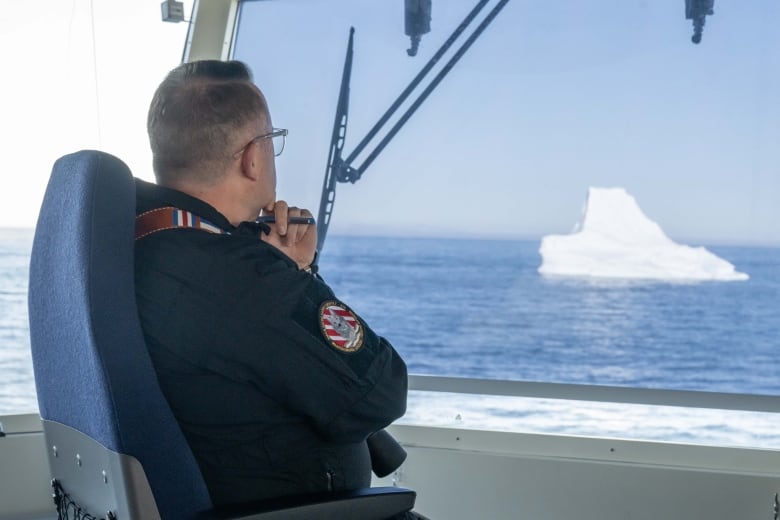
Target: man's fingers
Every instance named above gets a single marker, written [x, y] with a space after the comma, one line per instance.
[281, 212]
[290, 234]
[303, 228]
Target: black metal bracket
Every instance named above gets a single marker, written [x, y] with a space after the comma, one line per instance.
[341, 170]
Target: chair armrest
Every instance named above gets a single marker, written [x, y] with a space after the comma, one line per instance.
[378, 503]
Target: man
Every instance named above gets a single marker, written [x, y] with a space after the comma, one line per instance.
[275, 382]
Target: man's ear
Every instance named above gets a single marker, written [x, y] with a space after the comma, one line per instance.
[249, 163]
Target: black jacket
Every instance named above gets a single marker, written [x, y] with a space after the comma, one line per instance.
[238, 336]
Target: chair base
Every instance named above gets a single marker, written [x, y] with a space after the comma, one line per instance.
[377, 503]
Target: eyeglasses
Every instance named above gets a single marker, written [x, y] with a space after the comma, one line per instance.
[277, 136]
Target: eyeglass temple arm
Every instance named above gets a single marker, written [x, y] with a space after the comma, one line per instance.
[341, 170]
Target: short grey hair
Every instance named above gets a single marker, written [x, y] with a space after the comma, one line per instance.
[195, 115]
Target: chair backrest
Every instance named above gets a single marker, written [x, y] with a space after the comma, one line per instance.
[93, 372]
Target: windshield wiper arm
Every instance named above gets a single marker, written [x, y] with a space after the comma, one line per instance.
[341, 170]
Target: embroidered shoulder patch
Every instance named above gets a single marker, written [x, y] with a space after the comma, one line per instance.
[340, 326]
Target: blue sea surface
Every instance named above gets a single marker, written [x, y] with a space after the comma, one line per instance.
[479, 308]
[17, 387]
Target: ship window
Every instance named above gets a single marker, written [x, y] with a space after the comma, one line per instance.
[587, 196]
[668, 145]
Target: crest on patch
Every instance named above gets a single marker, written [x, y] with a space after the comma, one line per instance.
[340, 326]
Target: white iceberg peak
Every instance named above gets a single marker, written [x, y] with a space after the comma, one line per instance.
[615, 239]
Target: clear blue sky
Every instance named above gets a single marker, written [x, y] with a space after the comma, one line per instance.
[553, 98]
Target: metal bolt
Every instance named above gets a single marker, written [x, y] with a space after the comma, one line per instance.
[54, 450]
[78, 459]
[105, 477]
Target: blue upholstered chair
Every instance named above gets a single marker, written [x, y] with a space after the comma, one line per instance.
[114, 446]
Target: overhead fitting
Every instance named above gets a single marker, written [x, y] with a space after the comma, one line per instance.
[172, 11]
[698, 10]
[417, 21]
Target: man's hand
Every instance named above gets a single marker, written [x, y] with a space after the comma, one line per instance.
[298, 241]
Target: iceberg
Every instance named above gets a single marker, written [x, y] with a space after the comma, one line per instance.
[615, 239]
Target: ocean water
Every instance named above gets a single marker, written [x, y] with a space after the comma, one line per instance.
[17, 390]
[478, 308]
